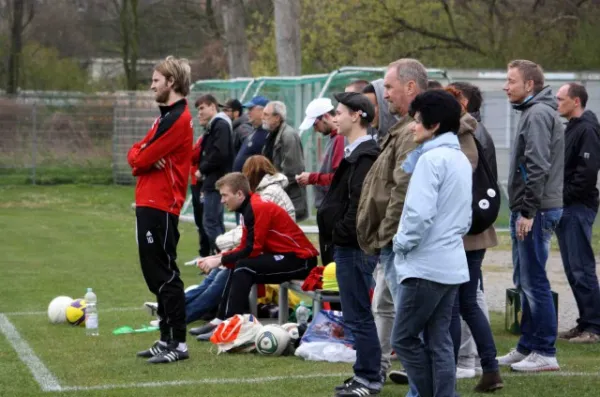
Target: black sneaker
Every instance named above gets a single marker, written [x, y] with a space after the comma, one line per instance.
[169, 355]
[156, 349]
[345, 384]
[399, 377]
[355, 389]
[206, 328]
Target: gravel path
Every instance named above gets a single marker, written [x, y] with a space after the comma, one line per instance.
[497, 277]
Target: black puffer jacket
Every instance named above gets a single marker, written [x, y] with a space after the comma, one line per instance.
[582, 161]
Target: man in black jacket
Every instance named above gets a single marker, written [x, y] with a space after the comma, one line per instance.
[580, 196]
[240, 122]
[337, 222]
[216, 160]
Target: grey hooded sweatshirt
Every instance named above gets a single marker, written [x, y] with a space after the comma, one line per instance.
[386, 118]
[535, 181]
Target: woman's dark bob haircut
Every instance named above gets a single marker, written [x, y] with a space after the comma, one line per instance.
[437, 107]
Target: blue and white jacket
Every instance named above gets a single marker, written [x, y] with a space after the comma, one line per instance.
[436, 214]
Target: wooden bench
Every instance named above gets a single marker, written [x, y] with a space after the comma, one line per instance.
[317, 296]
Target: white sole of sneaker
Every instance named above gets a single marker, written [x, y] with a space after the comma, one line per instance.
[547, 369]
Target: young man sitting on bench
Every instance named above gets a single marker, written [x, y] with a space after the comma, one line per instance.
[273, 248]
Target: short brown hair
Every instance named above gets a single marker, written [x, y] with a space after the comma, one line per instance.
[179, 70]
[236, 181]
[255, 168]
[530, 71]
[358, 85]
[577, 90]
[207, 99]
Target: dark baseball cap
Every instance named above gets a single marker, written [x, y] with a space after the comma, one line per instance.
[357, 102]
[256, 101]
[233, 104]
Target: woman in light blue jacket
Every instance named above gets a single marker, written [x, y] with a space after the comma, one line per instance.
[430, 257]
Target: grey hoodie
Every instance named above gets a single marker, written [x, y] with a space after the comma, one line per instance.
[535, 181]
[386, 119]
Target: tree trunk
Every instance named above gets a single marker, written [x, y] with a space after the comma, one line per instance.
[16, 46]
[287, 37]
[130, 38]
[234, 24]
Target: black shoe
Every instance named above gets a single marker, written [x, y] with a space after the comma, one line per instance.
[399, 377]
[169, 355]
[206, 328]
[204, 337]
[344, 385]
[156, 349]
[355, 389]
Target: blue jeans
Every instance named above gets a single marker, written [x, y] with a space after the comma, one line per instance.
[474, 316]
[213, 217]
[354, 272]
[426, 307]
[206, 296]
[574, 234]
[538, 322]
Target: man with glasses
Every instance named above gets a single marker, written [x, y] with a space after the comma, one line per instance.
[319, 116]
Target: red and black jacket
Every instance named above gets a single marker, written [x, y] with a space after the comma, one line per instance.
[268, 229]
[170, 138]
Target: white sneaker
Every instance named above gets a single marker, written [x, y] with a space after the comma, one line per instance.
[536, 363]
[465, 373]
[193, 261]
[154, 323]
[512, 357]
[151, 308]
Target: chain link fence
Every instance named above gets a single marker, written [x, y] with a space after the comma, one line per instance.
[57, 137]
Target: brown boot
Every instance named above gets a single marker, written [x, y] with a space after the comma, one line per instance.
[570, 334]
[489, 383]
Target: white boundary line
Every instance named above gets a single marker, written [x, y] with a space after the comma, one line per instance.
[549, 374]
[215, 381]
[109, 310]
[40, 372]
[225, 381]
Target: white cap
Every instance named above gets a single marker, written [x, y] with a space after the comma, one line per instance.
[317, 107]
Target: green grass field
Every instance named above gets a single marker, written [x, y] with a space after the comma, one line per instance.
[59, 240]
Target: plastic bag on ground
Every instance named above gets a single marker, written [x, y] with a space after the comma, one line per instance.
[326, 351]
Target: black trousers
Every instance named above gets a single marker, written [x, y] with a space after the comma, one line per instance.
[263, 269]
[157, 238]
[198, 213]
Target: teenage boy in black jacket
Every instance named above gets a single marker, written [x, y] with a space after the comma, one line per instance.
[580, 197]
[216, 160]
[337, 222]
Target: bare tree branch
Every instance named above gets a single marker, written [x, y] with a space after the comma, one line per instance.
[450, 17]
[430, 34]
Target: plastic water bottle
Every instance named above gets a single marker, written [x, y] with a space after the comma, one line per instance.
[91, 313]
[302, 314]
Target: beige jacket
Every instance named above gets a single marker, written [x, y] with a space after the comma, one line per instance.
[466, 138]
[384, 190]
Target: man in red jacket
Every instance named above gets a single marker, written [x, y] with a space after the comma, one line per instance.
[161, 163]
[273, 248]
